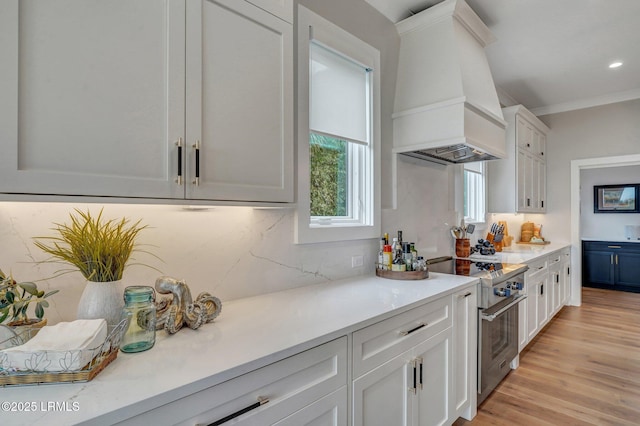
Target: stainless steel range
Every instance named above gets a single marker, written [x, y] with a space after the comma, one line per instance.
[500, 292]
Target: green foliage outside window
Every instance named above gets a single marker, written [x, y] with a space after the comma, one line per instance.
[328, 175]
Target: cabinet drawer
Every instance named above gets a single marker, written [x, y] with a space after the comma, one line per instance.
[290, 385]
[537, 267]
[610, 246]
[382, 341]
[554, 258]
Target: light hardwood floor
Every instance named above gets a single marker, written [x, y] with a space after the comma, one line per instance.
[582, 369]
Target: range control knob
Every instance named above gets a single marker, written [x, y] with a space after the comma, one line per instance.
[502, 292]
[515, 285]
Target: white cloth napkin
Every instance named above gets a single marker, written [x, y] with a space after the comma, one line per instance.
[66, 346]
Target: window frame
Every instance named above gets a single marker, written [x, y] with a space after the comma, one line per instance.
[479, 200]
[312, 27]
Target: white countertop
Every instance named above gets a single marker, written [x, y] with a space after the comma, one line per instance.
[249, 333]
[523, 253]
[613, 240]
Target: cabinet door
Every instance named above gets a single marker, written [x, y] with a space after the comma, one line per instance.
[385, 395]
[555, 288]
[566, 280]
[91, 97]
[533, 202]
[239, 103]
[523, 178]
[542, 145]
[533, 290]
[537, 314]
[411, 389]
[435, 404]
[465, 328]
[541, 178]
[627, 265]
[524, 134]
[598, 267]
[543, 302]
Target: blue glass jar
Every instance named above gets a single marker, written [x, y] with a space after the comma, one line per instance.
[140, 312]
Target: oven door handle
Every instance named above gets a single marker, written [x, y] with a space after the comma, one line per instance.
[495, 315]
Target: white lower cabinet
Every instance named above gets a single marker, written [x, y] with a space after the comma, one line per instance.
[566, 275]
[465, 341]
[410, 389]
[419, 367]
[536, 280]
[307, 388]
[555, 284]
[547, 284]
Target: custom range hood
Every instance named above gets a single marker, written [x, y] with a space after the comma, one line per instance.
[446, 105]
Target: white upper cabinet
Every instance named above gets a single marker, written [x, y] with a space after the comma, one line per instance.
[91, 97]
[517, 184]
[109, 98]
[239, 103]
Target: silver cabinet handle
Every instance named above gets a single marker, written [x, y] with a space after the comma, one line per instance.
[616, 259]
[261, 401]
[418, 327]
[179, 177]
[612, 259]
[196, 146]
[616, 247]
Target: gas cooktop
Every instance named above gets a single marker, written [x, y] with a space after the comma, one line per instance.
[489, 272]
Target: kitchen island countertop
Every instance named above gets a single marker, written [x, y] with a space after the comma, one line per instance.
[250, 333]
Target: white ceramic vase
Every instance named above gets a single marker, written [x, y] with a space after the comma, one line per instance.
[102, 300]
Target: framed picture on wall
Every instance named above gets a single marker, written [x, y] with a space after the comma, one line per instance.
[616, 198]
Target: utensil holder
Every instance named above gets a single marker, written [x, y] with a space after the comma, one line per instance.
[463, 247]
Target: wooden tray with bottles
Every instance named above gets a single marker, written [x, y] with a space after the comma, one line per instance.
[402, 275]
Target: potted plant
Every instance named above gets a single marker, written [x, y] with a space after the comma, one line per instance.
[100, 249]
[15, 299]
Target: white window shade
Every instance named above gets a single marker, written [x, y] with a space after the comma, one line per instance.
[339, 96]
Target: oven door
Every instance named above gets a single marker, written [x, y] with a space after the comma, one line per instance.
[497, 343]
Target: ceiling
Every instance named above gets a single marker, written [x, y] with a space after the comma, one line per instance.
[553, 55]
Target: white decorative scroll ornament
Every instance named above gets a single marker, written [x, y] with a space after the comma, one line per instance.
[179, 309]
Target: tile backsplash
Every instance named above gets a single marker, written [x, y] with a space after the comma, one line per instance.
[230, 252]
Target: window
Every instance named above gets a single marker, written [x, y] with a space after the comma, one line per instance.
[474, 192]
[338, 134]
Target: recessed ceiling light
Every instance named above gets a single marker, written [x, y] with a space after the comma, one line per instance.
[615, 64]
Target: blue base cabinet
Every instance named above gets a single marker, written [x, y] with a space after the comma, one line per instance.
[613, 265]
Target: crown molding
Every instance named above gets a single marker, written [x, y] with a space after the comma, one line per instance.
[610, 98]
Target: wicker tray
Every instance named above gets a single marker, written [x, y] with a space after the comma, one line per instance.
[101, 356]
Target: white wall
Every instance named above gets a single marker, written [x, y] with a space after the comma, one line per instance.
[605, 226]
[609, 130]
